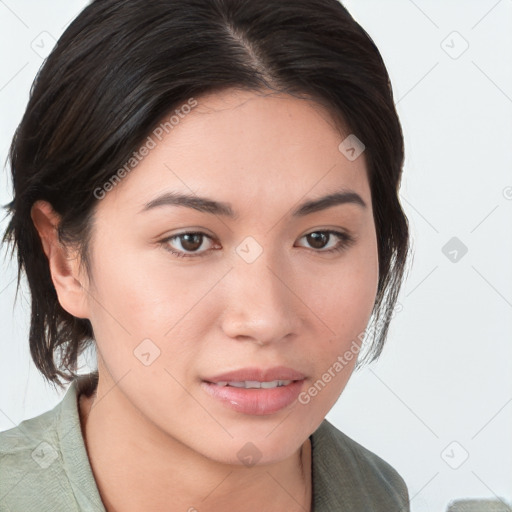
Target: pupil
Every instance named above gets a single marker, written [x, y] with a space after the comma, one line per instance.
[189, 245]
[318, 240]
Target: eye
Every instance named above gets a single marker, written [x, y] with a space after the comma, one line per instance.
[329, 241]
[190, 243]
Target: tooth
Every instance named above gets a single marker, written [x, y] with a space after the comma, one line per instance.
[255, 384]
[237, 384]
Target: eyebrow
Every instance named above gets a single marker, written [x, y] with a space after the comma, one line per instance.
[207, 205]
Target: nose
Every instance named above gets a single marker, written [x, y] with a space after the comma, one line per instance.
[260, 304]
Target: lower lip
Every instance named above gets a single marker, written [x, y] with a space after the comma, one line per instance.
[255, 401]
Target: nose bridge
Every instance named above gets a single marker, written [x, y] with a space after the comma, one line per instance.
[260, 304]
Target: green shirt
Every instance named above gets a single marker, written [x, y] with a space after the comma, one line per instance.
[44, 467]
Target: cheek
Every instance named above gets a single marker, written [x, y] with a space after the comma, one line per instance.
[129, 285]
[124, 303]
[139, 298]
[343, 299]
[344, 303]
[343, 295]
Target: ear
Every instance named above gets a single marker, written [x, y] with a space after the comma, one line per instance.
[64, 265]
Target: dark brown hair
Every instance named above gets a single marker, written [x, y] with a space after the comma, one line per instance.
[122, 65]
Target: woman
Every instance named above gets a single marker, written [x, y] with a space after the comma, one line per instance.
[207, 192]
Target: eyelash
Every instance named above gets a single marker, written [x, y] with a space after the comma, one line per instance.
[346, 241]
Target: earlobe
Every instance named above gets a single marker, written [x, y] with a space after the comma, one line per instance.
[64, 267]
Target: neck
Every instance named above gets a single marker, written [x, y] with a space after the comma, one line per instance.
[137, 467]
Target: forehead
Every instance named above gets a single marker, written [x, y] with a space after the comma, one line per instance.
[245, 148]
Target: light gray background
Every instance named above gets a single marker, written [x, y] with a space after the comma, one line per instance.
[443, 388]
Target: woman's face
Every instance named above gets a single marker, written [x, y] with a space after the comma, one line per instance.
[262, 284]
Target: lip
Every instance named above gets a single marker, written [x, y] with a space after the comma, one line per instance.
[253, 373]
[262, 401]
[255, 401]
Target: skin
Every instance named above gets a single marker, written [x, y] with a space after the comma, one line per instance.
[175, 447]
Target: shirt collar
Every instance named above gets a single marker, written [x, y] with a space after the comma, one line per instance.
[74, 454]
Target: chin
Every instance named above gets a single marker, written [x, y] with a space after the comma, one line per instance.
[249, 451]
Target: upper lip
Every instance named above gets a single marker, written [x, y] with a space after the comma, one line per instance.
[258, 374]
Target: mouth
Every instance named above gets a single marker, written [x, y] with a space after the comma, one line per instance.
[255, 391]
[257, 375]
[254, 384]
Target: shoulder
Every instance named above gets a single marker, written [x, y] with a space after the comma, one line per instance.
[24, 438]
[29, 463]
[21, 447]
[44, 465]
[349, 474]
